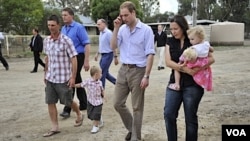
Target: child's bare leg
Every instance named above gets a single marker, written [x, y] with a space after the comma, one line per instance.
[95, 123]
[176, 85]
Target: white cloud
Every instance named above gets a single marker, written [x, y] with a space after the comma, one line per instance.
[168, 5]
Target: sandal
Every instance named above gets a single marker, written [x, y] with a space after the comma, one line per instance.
[173, 86]
[51, 133]
[79, 122]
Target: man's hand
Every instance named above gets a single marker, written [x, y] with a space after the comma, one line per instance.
[96, 57]
[144, 83]
[71, 82]
[116, 61]
[118, 22]
[86, 65]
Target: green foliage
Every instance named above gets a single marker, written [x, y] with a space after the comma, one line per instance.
[48, 11]
[20, 17]
[150, 8]
[185, 7]
[205, 8]
[109, 10]
[79, 6]
[159, 17]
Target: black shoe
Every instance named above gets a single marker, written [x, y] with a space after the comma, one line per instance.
[7, 68]
[82, 108]
[128, 137]
[162, 68]
[65, 114]
[159, 68]
[33, 71]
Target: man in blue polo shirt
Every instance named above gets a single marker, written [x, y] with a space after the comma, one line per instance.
[79, 36]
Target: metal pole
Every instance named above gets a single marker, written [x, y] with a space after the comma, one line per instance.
[195, 4]
[7, 46]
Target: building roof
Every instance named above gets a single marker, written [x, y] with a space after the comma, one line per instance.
[86, 21]
[200, 22]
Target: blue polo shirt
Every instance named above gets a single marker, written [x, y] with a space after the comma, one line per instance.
[78, 34]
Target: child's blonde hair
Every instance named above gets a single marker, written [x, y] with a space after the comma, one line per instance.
[190, 54]
[197, 31]
[94, 70]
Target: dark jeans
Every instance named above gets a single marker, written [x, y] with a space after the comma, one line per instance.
[105, 63]
[37, 60]
[81, 93]
[4, 62]
[190, 97]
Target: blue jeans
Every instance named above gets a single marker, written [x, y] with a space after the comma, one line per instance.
[105, 63]
[190, 97]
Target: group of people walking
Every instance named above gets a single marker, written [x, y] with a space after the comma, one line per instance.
[67, 52]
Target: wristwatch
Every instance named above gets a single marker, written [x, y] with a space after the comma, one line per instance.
[146, 76]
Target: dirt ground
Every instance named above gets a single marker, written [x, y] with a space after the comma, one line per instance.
[24, 115]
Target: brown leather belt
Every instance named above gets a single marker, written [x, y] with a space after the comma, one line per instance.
[130, 65]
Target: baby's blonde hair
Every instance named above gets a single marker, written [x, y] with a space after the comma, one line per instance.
[190, 54]
[197, 31]
[94, 70]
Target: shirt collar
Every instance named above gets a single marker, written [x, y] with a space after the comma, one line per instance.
[71, 24]
[138, 24]
[93, 80]
[55, 38]
[105, 30]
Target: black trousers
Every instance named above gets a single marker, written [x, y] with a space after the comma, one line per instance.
[37, 60]
[4, 62]
[81, 93]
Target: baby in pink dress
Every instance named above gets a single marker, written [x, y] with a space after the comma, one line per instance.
[196, 56]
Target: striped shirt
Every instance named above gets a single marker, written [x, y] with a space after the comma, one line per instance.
[59, 54]
[94, 90]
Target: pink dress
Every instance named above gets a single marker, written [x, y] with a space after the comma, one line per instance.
[202, 77]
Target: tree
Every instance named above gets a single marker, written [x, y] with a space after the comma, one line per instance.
[159, 17]
[81, 7]
[20, 16]
[205, 8]
[233, 10]
[109, 10]
[185, 7]
[47, 12]
[150, 7]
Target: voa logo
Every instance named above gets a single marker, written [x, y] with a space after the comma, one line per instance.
[236, 132]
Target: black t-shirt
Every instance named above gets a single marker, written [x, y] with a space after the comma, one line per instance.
[175, 51]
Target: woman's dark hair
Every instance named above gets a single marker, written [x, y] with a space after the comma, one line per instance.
[182, 22]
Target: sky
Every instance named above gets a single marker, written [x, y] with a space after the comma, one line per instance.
[168, 5]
